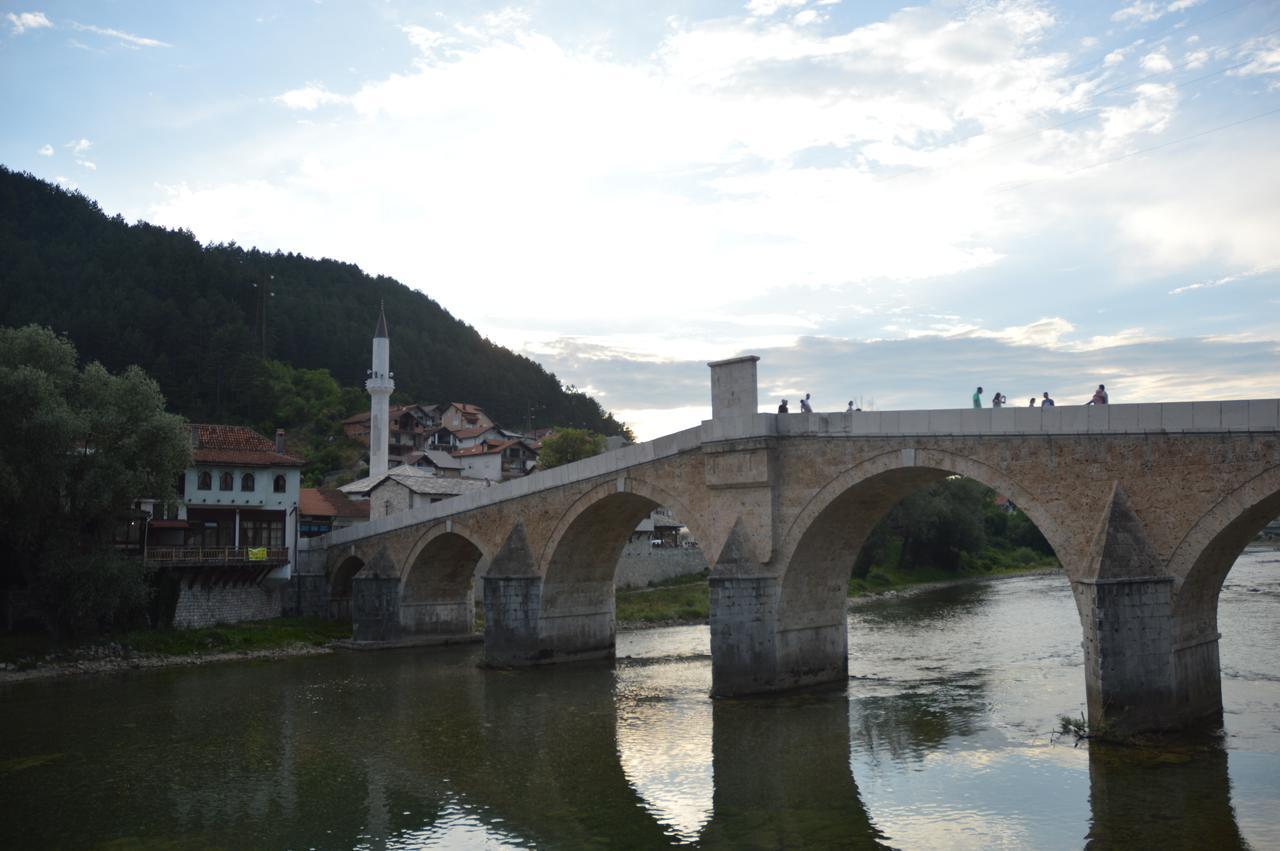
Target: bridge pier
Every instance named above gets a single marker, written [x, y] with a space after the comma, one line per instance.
[1128, 653]
[375, 601]
[511, 607]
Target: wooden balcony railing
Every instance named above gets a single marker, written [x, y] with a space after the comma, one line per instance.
[217, 555]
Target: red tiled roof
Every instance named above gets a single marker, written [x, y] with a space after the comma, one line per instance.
[331, 502]
[238, 445]
[475, 431]
[489, 447]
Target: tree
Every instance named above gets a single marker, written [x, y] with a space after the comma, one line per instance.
[565, 445]
[77, 447]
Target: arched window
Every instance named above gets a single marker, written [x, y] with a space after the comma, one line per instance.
[226, 482]
[279, 486]
[205, 481]
[247, 482]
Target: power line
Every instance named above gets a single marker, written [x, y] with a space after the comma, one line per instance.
[1180, 140]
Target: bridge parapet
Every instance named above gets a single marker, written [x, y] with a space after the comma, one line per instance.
[1247, 415]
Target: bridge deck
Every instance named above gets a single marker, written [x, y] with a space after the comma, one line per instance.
[1254, 415]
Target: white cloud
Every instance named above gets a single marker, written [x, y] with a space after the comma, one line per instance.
[46, 150]
[765, 8]
[23, 21]
[78, 146]
[1145, 11]
[87, 164]
[1224, 280]
[1262, 55]
[310, 97]
[1157, 62]
[124, 38]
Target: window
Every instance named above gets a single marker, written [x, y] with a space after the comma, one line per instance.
[225, 482]
[205, 481]
[247, 482]
[279, 485]
[261, 532]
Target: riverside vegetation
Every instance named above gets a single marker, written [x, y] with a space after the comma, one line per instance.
[952, 530]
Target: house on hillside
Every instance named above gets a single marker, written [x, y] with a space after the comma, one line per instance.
[410, 427]
[457, 416]
[468, 437]
[498, 460]
[322, 510]
[435, 462]
[399, 492]
[228, 542]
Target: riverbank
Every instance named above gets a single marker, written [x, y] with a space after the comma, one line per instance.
[32, 657]
[685, 601]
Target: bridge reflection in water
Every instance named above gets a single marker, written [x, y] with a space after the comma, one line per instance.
[402, 749]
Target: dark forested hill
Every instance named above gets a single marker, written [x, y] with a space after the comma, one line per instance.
[190, 315]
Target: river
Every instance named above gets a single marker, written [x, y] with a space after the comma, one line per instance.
[943, 738]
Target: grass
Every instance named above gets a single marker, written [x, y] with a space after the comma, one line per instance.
[27, 650]
[990, 562]
[680, 598]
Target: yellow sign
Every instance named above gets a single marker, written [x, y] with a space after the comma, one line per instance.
[257, 553]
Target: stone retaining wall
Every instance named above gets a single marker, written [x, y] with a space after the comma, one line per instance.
[200, 605]
[642, 563]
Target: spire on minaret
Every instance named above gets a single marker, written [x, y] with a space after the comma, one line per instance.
[380, 386]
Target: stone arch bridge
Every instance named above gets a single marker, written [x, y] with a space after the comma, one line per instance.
[1146, 506]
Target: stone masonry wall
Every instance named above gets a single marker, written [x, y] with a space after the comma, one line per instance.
[200, 605]
[642, 563]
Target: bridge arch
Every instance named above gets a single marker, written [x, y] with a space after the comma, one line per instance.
[819, 548]
[342, 574]
[1202, 559]
[578, 564]
[627, 490]
[437, 580]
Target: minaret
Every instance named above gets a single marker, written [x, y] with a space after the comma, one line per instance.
[379, 386]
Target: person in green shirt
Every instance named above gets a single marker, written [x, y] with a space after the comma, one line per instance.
[977, 398]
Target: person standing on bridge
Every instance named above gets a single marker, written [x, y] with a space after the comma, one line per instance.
[998, 400]
[1048, 402]
[805, 407]
[782, 409]
[1099, 396]
[1032, 403]
[977, 398]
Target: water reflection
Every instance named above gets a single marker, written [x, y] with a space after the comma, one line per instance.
[1170, 799]
[783, 777]
[941, 740]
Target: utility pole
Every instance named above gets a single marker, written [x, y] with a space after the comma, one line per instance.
[264, 292]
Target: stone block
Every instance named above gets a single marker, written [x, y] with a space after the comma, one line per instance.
[1178, 416]
[734, 387]
[864, 422]
[1235, 415]
[1264, 415]
[1051, 419]
[1123, 419]
[890, 422]
[1072, 419]
[975, 421]
[1098, 418]
[946, 422]
[1004, 420]
[1207, 416]
[1150, 417]
[912, 422]
[1028, 420]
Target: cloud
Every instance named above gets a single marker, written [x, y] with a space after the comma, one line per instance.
[1262, 55]
[937, 372]
[46, 150]
[1157, 62]
[78, 146]
[1145, 11]
[87, 164]
[124, 38]
[23, 21]
[309, 98]
[1224, 280]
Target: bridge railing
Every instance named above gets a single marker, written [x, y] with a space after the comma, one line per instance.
[1250, 415]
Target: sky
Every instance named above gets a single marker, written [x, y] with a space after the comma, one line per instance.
[888, 204]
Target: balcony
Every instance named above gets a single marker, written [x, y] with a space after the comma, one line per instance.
[217, 556]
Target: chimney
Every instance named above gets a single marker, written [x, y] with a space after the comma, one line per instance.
[280, 440]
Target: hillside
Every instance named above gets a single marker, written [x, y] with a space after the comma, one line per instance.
[189, 315]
